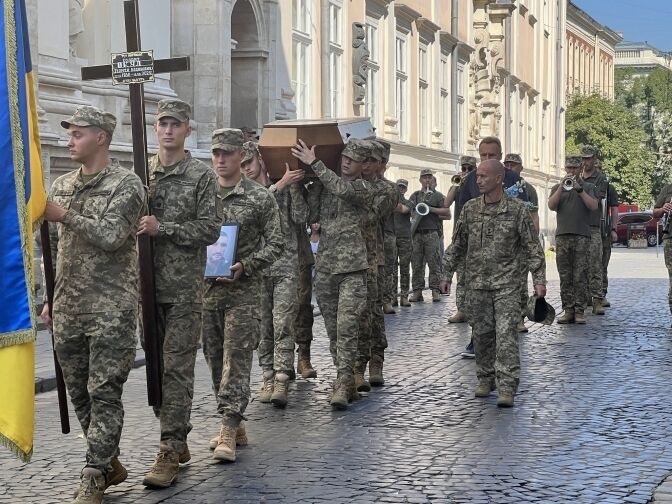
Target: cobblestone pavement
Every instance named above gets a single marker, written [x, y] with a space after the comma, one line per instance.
[590, 424]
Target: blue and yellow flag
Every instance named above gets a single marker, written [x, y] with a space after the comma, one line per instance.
[22, 202]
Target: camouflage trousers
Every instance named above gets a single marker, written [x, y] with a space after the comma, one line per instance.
[303, 323]
[96, 352]
[230, 336]
[178, 330]
[606, 257]
[595, 263]
[572, 260]
[389, 287]
[341, 298]
[494, 316]
[366, 322]
[461, 289]
[667, 252]
[523, 272]
[401, 278]
[279, 305]
[426, 250]
[378, 334]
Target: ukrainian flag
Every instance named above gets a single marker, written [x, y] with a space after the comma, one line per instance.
[22, 202]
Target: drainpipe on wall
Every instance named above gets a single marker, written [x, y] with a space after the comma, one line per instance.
[324, 51]
[507, 130]
[453, 81]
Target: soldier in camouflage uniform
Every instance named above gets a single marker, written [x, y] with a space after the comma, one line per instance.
[182, 222]
[339, 204]
[489, 237]
[279, 298]
[303, 323]
[609, 234]
[231, 306]
[426, 246]
[572, 239]
[661, 210]
[94, 213]
[515, 163]
[401, 274]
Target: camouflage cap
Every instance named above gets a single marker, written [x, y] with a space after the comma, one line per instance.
[426, 171]
[227, 139]
[250, 150]
[588, 151]
[513, 158]
[177, 109]
[377, 151]
[538, 310]
[357, 150]
[468, 160]
[386, 148]
[402, 182]
[248, 129]
[573, 161]
[88, 115]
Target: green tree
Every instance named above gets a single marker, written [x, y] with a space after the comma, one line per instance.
[620, 137]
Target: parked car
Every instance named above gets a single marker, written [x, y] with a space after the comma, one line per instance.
[639, 222]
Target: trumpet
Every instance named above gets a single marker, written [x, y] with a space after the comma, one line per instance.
[568, 183]
[422, 209]
[456, 179]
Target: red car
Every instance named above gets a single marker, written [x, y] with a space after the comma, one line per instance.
[635, 222]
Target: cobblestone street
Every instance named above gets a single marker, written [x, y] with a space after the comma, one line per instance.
[590, 423]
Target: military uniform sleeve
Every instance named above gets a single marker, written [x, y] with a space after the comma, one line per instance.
[530, 242]
[354, 193]
[119, 221]
[532, 196]
[204, 229]
[298, 206]
[272, 239]
[457, 250]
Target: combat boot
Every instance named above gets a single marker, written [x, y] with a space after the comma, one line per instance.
[403, 301]
[226, 446]
[279, 397]
[304, 367]
[116, 475]
[91, 487]
[521, 327]
[579, 317]
[605, 303]
[361, 385]
[416, 297]
[436, 296]
[568, 317]
[505, 399]
[458, 318]
[266, 390]
[241, 437]
[164, 471]
[484, 388]
[376, 371]
[388, 310]
[184, 455]
[597, 307]
[341, 395]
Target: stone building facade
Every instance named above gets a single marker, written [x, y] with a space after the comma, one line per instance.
[642, 58]
[434, 76]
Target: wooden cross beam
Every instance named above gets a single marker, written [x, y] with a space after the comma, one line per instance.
[139, 132]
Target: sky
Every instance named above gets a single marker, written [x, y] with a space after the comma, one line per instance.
[638, 20]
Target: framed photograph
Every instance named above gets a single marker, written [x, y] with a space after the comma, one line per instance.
[222, 253]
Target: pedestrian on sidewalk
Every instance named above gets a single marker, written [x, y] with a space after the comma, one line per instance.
[493, 232]
[183, 221]
[231, 306]
[94, 212]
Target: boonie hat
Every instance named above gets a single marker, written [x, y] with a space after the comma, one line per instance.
[588, 151]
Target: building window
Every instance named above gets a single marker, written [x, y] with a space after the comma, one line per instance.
[334, 39]
[461, 114]
[373, 70]
[402, 85]
[445, 100]
[423, 96]
[301, 57]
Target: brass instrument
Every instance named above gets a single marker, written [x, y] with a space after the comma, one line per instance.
[568, 183]
[665, 221]
[456, 179]
[420, 210]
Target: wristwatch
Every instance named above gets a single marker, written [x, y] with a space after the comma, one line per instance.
[162, 229]
[273, 188]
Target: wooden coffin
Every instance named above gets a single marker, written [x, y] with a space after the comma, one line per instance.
[328, 135]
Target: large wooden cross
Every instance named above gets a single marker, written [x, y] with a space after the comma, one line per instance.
[139, 131]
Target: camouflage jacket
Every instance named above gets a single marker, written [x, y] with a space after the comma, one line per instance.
[293, 211]
[339, 206]
[94, 247]
[183, 200]
[260, 242]
[387, 198]
[492, 239]
[306, 257]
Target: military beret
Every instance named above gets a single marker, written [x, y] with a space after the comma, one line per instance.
[468, 160]
[573, 161]
[357, 150]
[588, 151]
[513, 158]
[250, 150]
[426, 171]
[402, 182]
[172, 107]
[88, 115]
[227, 139]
